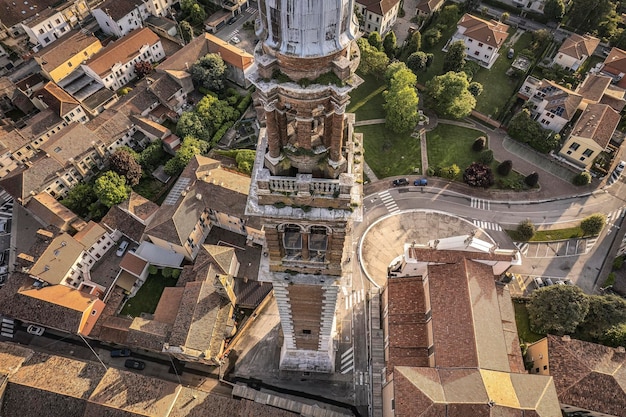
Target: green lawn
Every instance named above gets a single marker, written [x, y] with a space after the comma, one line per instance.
[388, 153]
[449, 144]
[499, 87]
[523, 324]
[147, 298]
[436, 67]
[149, 188]
[367, 100]
[550, 235]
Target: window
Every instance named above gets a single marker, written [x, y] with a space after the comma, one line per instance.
[574, 146]
[93, 312]
[69, 64]
[480, 44]
[306, 331]
[57, 21]
[292, 240]
[545, 367]
[582, 158]
[470, 41]
[476, 53]
[588, 152]
[41, 31]
[490, 48]
[46, 39]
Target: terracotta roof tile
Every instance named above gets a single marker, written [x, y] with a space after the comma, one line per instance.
[380, 7]
[117, 9]
[492, 33]
[598, 122]
[578, 46]
[60, 51]
[594, 86]
[57, 99]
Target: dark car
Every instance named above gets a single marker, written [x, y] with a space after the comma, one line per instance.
[134, 364]
[420, 181]
[400, 181]
[232, 20]
[120, 353]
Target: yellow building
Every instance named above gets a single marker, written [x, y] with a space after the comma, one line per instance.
[537, 353]
[62, 57]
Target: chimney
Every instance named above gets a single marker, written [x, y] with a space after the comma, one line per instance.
[566, 338]
[620, 349]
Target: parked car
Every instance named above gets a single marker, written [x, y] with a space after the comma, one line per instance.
[231, 20]
[3, 226]
[420, 181]
[120, 353]
[511, 53]
[122, 248]
[36, 330]
[134, 364]
[538, 282]
[620, 167]
[548, 282]
[235, 40]
[400, 182]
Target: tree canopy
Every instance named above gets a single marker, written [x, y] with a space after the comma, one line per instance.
[111, 188]
[390, 44]
[373, 61]
[449, 96]
[592, 225]
[557, 309]
[554, 9]
[186, 31]
[587, 15]
[417, 61]
[209, 72]
[125, 164]
[188, 149]
[375, 40]
[454, 60]
[401, 99]
[523, 128]
[193, 11]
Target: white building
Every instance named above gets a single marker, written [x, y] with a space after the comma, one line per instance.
[575, 50]
[46, 27]
[482, 39]
[114, 66]
[551, 105]
[379, 15]
[119, 17]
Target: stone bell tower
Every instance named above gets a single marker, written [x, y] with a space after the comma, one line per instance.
[307, 178]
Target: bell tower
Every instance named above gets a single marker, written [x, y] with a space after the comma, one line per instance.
[307, 178]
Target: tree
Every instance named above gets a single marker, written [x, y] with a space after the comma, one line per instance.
[186, 31]
[152, 156]
[541, 38]
[373, 61]
[188, 149]
[486, 157]
[359, 16]
[214, 112]
[143, 68]
[557, 309]
[190, 124]
[586, 15]
[478, 175]
[531, 179]
[605, 311]
[450, 172]
[583, 178]
[526, 230]
[471, 5]
[449, 96]
[401, 101]
[245, 160]
[504, 17]
[375, 40]
[475, 88]
[449, 15]
[209, 72]
[417, 61]
[80, 198]
[415, 43]
[432, 36]
[615, 336]
[126, 165]
[393, 68]
[390, 44]
[111, 188]
[554, 9]
[193, 11]
[592, 225]
[454, 60]
[471, 68]
[505, 167]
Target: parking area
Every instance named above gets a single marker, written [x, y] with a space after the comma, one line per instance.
[571, 247]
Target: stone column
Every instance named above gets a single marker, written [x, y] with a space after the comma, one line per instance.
[336, 139]
[281, 118]
[273, 137]
[328, 129]
[305, 246]
[304, 132]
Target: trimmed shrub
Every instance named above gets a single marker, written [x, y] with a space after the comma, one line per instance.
[152, 270]
[526, 230]
[584, 178]
[592, 225]
[486, 157]
[479, 144]
[478, 175]
[505, 167]
[532, 179]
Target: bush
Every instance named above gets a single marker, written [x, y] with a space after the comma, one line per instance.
[478, 175]
[486, 157]
[221, 132]
[526, 230]
[176, 273]
[505, 167]
[167, 272]
[532, 179]
[152, 270]
[244, 103]
[584, 178]
[618, 262]
[450, 172]
[592, 225]
[479, 144]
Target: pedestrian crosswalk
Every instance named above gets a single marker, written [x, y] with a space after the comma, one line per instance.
[389, 202]
[589, 244]
[481, 204]
[355, 298]
[347, 361]
[487, 225]
[523, 247]
[8, 328]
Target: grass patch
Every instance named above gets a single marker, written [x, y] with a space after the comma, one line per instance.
[149, 188]
[523, 324]
[550, 235]
[367, 100]
[450, 144]
[389, 153]
[499, 87]
[147, 298]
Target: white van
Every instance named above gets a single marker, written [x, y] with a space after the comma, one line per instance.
[122, 248]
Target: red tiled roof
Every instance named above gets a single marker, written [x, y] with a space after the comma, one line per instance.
[578, 46]
[380, 7]
[492, 33]
[122, 50]
[598, 122]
